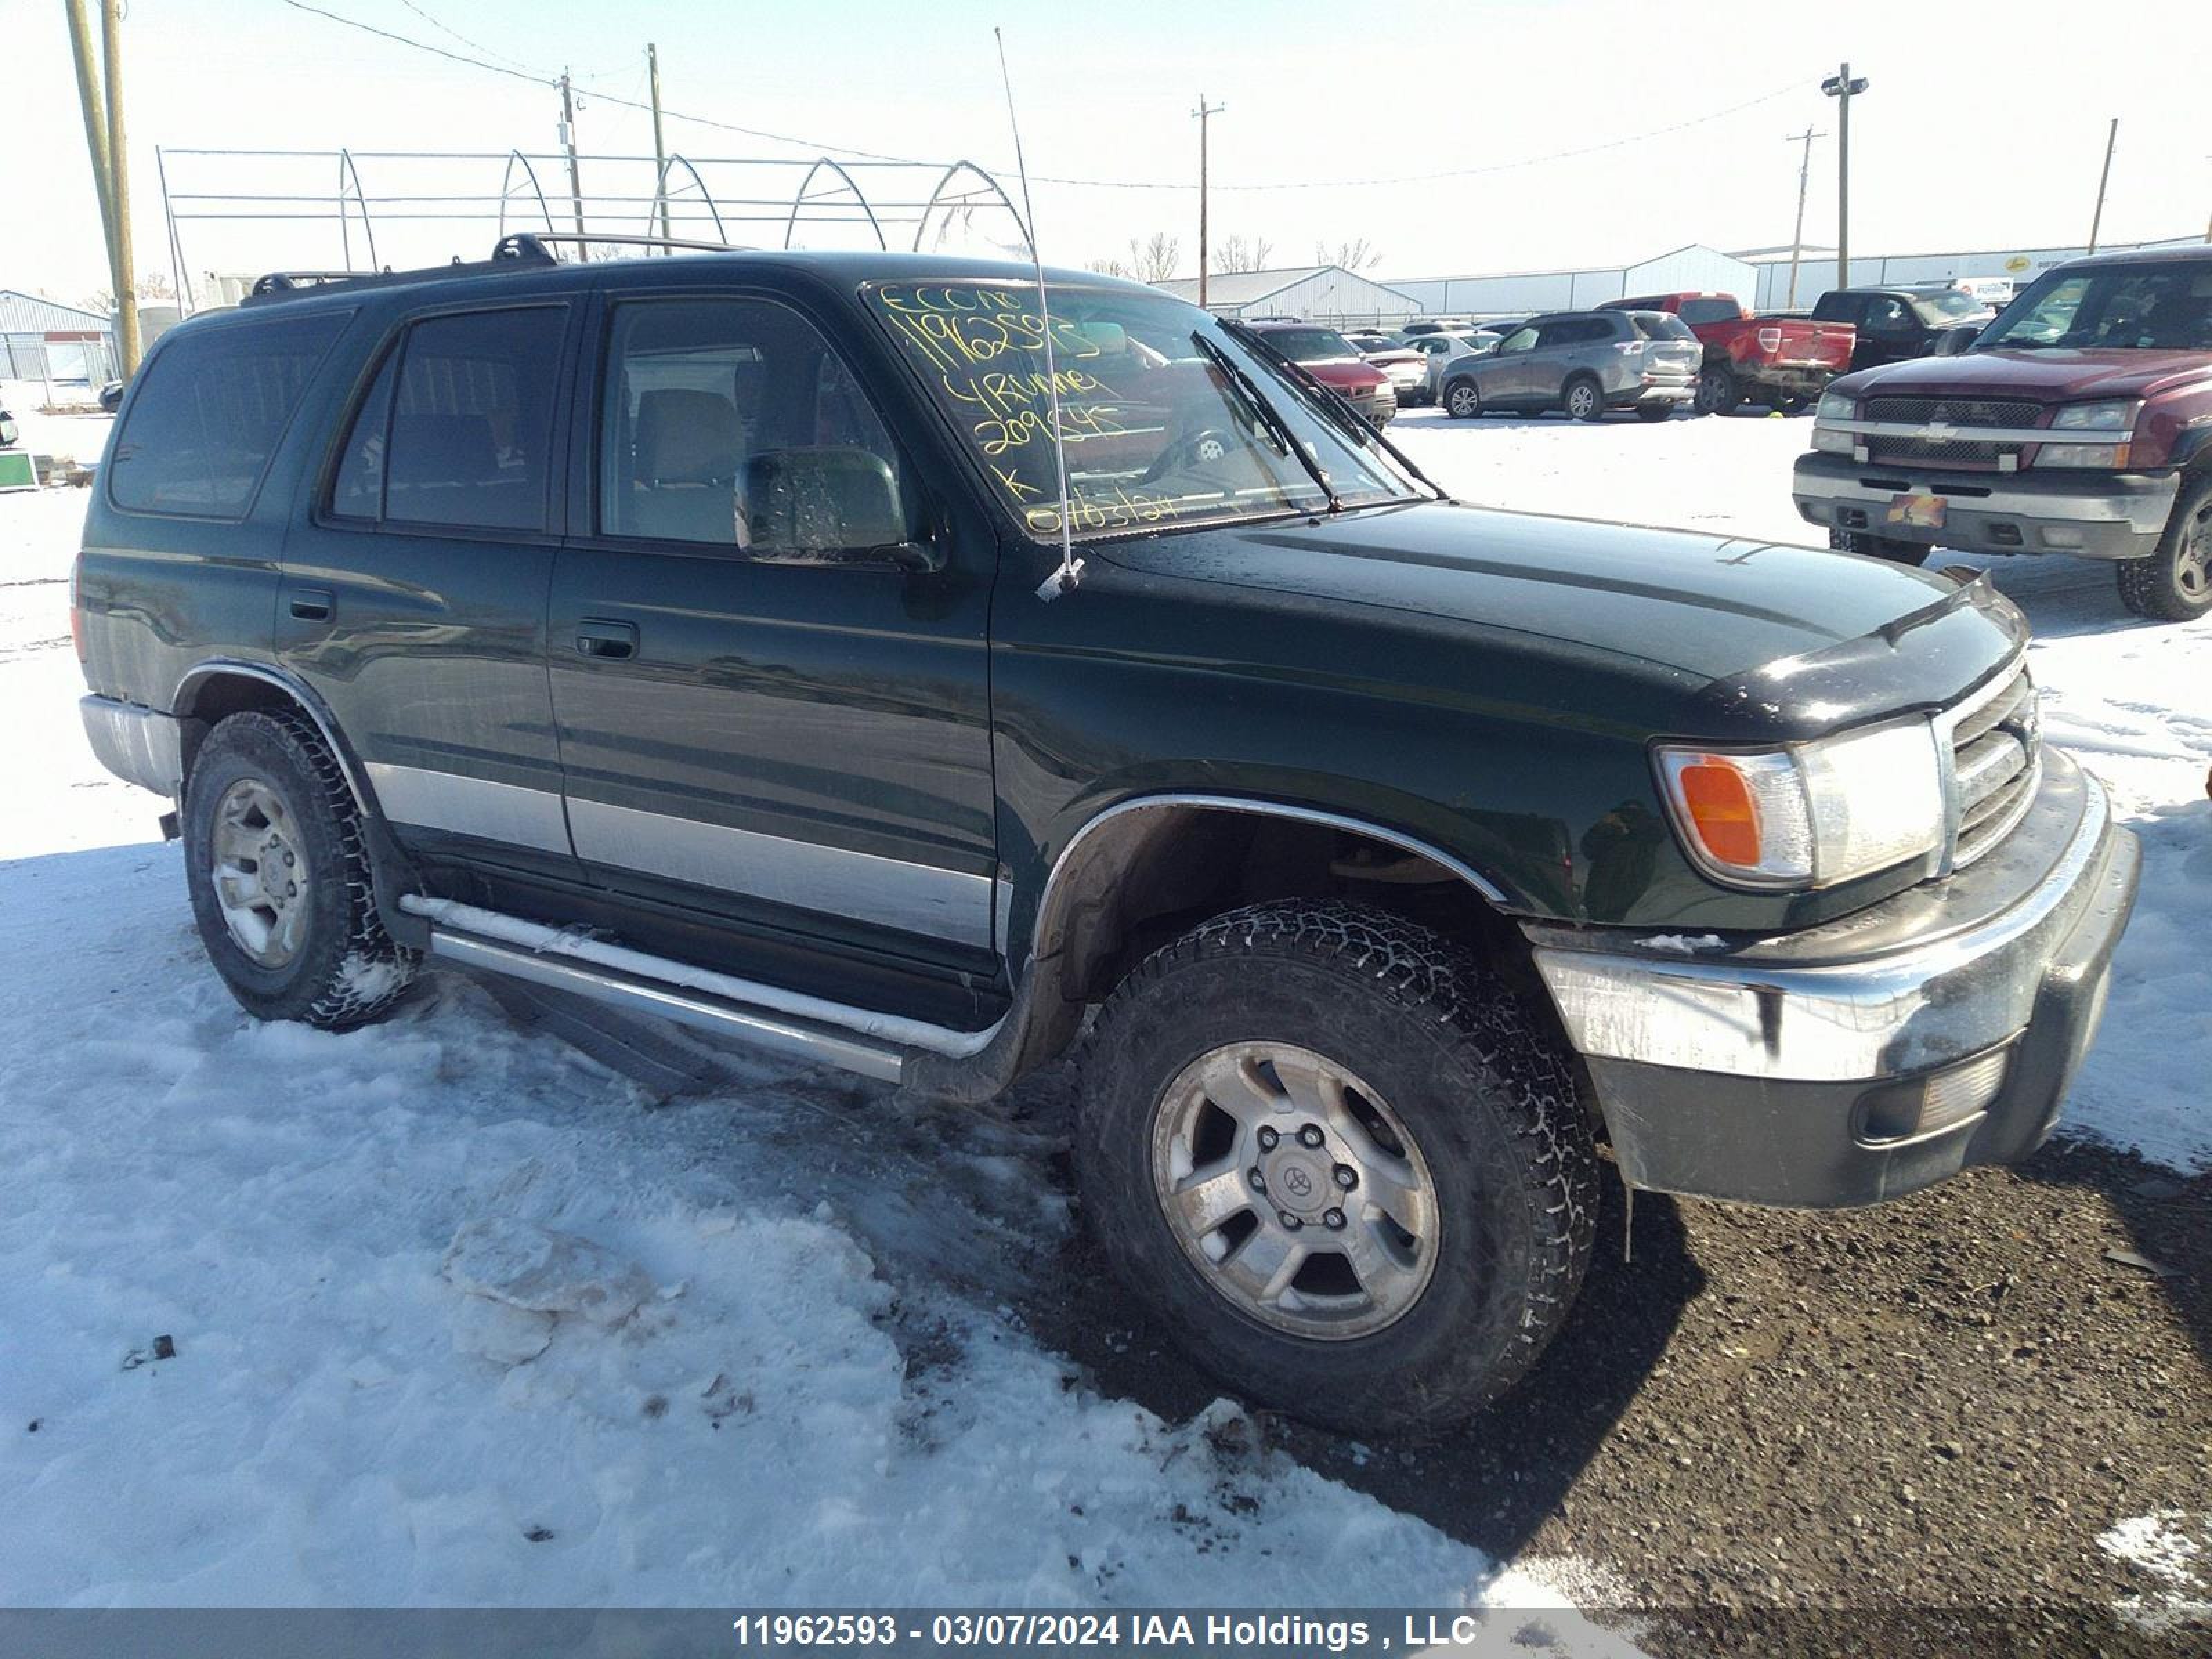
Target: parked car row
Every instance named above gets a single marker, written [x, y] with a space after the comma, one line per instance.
[2079, 421]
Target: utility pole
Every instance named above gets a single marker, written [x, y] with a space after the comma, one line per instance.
[1205, 112]
[118, 185]
[660, 149]
[111, 175]
[1797, 236]
[2096, 219]
[575, 178]
[1841, 88]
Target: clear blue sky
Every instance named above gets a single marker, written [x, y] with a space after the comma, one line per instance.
[1985, 126]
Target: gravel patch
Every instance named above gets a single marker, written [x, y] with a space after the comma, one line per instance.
[1926, 1413]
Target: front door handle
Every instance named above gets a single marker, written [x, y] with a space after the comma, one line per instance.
[313, 604]
[596, 636]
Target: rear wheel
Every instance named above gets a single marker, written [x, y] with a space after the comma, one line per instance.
[1895, 549]
[277, 869]
[1717, 391]
[1462, 401]
[1339, 1161]
[1581, 398]
[2174, 584]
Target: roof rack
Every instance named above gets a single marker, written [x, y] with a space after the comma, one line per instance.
[525, 248]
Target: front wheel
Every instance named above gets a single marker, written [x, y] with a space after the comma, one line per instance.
[277, 866]
[2174, 584]
[1895, 549]
[1340, 1162]
[1461, 401]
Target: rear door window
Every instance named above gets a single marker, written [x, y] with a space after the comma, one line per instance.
[456, 429]
[211, 409]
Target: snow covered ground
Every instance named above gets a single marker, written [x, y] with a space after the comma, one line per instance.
[459, 1317]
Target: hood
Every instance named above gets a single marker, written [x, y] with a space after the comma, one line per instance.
[1774, 633]
[2051, 376]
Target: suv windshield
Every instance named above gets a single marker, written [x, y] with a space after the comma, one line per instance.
[1156, 434]
[2164, 306]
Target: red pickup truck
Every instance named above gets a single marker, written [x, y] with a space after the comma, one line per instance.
[1782, 361]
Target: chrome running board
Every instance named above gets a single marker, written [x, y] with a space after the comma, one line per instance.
[857, 1040]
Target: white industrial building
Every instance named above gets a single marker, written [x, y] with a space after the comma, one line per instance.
[1317, 294]
[1694, 269]
[1757, 277]
[43, 341]
[1816, 270]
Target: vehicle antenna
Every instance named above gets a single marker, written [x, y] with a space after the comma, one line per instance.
[1070, 567]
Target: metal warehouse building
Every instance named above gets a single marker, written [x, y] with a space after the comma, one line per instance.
[1318, 294]
[1816, 273]
[1519, 294]
[43, 340]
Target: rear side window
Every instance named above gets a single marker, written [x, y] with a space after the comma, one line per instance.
[212, 407]
[457, 429]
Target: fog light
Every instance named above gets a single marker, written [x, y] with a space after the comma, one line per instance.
[1941, 1100]
[2059, 535]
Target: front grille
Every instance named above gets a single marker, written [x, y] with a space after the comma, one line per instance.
[1967, 412]
[1955, 411]
[1996, 740]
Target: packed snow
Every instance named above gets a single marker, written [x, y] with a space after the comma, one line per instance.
[455, 1315]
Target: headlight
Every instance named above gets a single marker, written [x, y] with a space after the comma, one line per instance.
[1832, 439]
[2111, 455]
[2118, 415]
[2115, 414]
[1812, 814]
[1834, 406]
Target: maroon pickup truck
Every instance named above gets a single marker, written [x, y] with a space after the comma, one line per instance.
[2079, 422]
[1783, 362]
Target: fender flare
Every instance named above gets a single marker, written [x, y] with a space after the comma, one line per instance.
[391, 873]
[1043, 1019]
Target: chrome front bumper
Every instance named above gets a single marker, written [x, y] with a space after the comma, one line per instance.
[1744, 1068]
[2089, 514]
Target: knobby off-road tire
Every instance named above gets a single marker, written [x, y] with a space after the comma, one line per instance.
[1336, 1030]
[2174, 584]
[1895, 549]
[278, 868]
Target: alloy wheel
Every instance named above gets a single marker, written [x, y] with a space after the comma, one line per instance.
[258, 874]
[1294, 1190]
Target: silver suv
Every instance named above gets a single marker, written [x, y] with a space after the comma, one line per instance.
[1582, 362]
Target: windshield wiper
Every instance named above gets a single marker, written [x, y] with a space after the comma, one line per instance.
[1256, 403]
[1252, 340]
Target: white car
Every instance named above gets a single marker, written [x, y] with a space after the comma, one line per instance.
[1444, 349]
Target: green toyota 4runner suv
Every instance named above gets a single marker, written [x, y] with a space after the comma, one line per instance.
[686, 632]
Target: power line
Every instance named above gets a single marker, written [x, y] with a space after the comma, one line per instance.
[821, 147]
[454, 33]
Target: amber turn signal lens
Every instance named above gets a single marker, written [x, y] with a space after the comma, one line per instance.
[1720, 807]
